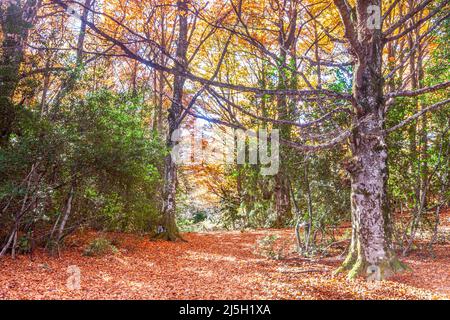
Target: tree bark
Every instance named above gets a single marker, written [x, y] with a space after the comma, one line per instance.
[15, 21]
[67, 212]
[286, 41]
[69, 83]
[161, 76]
[170, 230]
[370, 245]
[45, 88]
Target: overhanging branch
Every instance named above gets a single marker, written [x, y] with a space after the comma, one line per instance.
[413, 93]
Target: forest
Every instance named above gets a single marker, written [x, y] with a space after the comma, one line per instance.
[224, 149]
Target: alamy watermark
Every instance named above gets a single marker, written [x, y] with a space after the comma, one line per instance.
[374, 17]
[74, 279]
[73, 12]
[229, 146]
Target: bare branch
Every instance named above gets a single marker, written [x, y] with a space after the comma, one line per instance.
[42, 70]
[415, 48]
[187, 74]
[413, 93]
[345, 12]
[280, 122]
[389, 10]
[406, 17]
[419, 114]
[418, 23]
[314, 148]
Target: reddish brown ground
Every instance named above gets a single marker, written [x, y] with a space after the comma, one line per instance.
[219, 265]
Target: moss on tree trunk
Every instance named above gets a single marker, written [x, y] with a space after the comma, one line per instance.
[170, 230]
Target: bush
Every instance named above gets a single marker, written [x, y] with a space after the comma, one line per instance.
[271, 248]
[99, 247]
[99, 150]
[199, 217]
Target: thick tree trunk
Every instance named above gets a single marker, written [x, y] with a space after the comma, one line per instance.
[170, 230]
[371, 244]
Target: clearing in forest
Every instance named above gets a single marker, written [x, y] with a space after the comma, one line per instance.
[211, 265]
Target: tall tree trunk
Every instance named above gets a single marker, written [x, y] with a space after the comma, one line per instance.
[286, 40]
[170, 231]
[370, 245]
[45, 88]
[15, 21]
[161, 77]
[69, 83]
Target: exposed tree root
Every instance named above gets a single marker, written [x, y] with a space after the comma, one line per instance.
[355, 265]
[168, 236]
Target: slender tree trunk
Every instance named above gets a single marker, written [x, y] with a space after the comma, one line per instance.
[309, 223]
[286, 41]
[159, 75]
[45, 88]
[282, 201]
[418, 139]
[67, 212]
[154, 121]
[160, 103]
[170, 231]
[15, 21]
[71, 81]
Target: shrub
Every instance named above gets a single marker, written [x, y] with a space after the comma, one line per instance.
[271, 248]
[99, 247]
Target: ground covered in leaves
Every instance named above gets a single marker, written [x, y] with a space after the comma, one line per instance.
[213, 265]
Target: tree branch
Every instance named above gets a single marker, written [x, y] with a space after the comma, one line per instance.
[345, 12]
[418, 23]
[187, 74]
[418, 115]
[413, 93]
[406, 17]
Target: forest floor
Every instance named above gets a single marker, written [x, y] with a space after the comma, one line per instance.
[211, 265]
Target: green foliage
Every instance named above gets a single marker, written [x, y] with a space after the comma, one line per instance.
[343, 80]
[271, 248]
[325, 181]
[99, 145]
[199, 216]
[191, 217]
[99, 247]
[115, 149]
[419, 153]
[24, 244]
